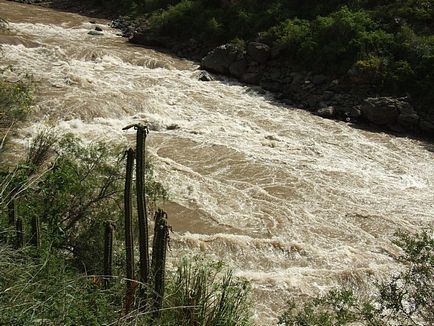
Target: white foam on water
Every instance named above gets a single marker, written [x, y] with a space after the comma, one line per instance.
[306, 203]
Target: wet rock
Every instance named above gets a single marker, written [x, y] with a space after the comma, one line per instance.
[221, 58]
[92, 21]
[409, 121]
[238, 68]
[258, 52]
[319, 79]
[328, 112]
[173, 126]
[144, 38]
[95, 33]
[272, 86]
[205, 76]
[251, 78]
[98, 29]
[426, 126]
[381, 110]
[297, 78]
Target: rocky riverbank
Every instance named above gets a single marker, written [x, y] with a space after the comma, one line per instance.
[325, 96]
[342, 98]
[330, 97]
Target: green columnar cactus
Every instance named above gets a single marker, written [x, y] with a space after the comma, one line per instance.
[11, 212]
[142, 215]
[35, 238]
[108, 253]
[19, 241]
[159, 250]
[129, 246]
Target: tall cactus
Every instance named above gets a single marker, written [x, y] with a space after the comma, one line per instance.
[159, 250]
[129, 246]
[19, 240]
[108, 253]
[35, 233]
[11, 211]
[142, 214]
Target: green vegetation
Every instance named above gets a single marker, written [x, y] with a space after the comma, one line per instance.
[72, 190]
[15, 98]
[406, 299]
[388, 45]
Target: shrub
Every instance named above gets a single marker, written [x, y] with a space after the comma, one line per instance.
[15, 100]
[204, 293]
[406, 299]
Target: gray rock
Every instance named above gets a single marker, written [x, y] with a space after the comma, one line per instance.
[426, 126]
[272, 86]
[98, 29]
[221, 58]
[381, 110]
[319, 79]
[205, 76]
[328, 112]
[238, 68]
[409, 121]
[251, 78]
[297, 78]
[258, 52]
[95, 33]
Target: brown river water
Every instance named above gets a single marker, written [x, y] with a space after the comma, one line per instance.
[294, 203]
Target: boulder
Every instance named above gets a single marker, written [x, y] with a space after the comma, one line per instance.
[426, 126]
[221, 58]
[238, 68]
[251, 78]
[95, 33]
[381, 110]
[258, 52]
[328, 112]
[409, 121]
[98, 29]
[205, 76]
[319, 79]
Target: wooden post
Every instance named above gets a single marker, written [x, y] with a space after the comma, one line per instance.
[108, 253]
[129, 246]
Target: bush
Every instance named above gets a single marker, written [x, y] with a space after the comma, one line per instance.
[73, 188]
[206, 294]
[406, 299]
[15, 100]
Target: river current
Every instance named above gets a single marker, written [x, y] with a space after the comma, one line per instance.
[294, 203]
